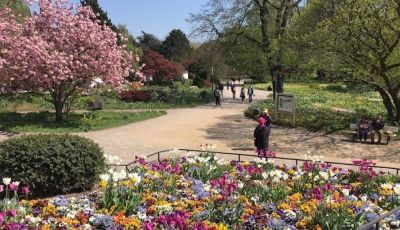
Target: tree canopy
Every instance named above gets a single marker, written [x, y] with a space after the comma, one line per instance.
[101, 15]
[176, 45]
[50, 53]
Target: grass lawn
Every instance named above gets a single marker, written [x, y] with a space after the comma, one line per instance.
[90, 121]
[317, 105]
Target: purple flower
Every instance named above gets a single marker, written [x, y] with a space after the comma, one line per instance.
[11, 213]
[1, 188]
[25, 189]
[308, 166]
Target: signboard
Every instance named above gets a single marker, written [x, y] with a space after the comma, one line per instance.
[286, 103]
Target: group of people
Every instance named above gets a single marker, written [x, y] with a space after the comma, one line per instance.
[366, 127]
[219, 89]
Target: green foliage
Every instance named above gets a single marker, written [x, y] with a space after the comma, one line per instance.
[149, 41]
[317, 105]
[52, 164]
[74, 122]
[176, 46]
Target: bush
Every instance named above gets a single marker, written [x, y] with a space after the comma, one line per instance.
[52, 164]
[135, 95]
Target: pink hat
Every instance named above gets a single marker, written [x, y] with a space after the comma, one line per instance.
[261, 121]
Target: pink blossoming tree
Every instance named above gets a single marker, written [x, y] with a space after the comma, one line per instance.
[60, 49]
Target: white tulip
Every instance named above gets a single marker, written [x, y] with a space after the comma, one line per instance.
[6, 180]
[396, 189]
[346, 192]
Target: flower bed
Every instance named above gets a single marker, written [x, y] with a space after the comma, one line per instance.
[203, 192]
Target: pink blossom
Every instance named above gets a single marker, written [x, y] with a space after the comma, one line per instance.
[14, 186]
[1, 188]
[25, 189]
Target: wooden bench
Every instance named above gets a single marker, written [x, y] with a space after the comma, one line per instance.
[388, 131]
[96, 104]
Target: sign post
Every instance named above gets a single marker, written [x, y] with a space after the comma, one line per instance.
[286, 103]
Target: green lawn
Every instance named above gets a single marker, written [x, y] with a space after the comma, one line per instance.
[83, 122]
[317, 105]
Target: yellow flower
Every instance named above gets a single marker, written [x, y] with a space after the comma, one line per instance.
[103, 184]
[303, 224]
[222, 227]
[291, 172]
[275, 215]
[283, 206]
[49, 210]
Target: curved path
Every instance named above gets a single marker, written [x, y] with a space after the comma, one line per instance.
[228, 129]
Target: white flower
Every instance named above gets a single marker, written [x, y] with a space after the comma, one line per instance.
[290, 213]
[387, 186]
[6, 180]
[324, 175]
[135, 176]
[264, 175]
[345, 192]
[105, 177]
[396, 189]
[141, 215]
[206, 188]
[255, 199]
[240, 185]
[364, 198]
[316, 178]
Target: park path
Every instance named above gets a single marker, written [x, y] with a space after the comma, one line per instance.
[228, 129]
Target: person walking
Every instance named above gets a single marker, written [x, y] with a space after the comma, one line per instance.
[221, 89]
[242, 94]
[377, 128]
[250, 93]
[260, 137]
[228, 83]
[233, 89]
[217, 95]
[363, 128]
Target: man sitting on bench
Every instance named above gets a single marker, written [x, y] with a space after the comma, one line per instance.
[377, 128]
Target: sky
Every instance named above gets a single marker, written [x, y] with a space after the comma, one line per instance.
[157, 17]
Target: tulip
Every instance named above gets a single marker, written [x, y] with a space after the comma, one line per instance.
[6, 180]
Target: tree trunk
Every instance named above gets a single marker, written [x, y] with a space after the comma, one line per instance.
[59, 110]
[387, 101]
[396, 102]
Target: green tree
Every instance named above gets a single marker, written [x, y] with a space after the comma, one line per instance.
[101, 14]
[149, 41]
[176, 46]
[362, 38]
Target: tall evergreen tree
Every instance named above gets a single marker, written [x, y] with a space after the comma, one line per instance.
[149, 41]
[101, 14]
[176, 45]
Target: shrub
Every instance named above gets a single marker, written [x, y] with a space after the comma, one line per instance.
[135, 95]
[52, 164]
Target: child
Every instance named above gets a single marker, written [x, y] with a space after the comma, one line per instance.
[260, 137]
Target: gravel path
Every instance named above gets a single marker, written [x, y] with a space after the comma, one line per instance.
[230, 131]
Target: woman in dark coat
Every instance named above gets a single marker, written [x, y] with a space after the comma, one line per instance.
[260, 137]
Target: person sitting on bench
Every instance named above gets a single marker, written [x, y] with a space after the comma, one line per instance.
[377, 127]
[363, 128]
